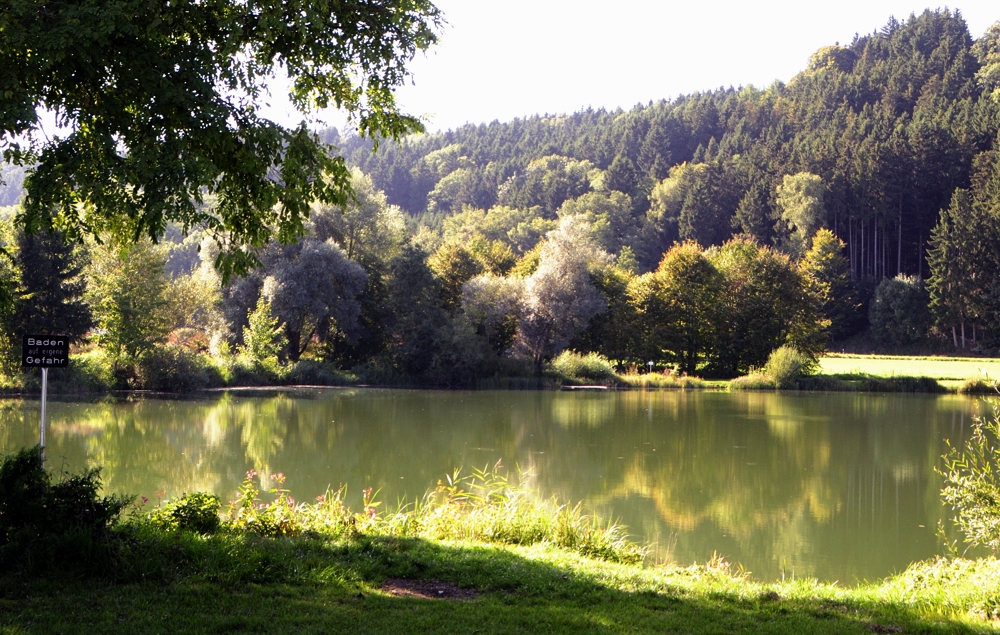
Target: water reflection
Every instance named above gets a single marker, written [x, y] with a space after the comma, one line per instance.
[839, 486]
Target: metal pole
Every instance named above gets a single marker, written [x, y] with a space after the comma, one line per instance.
[45, 389]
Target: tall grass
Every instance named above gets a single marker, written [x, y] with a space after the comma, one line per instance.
[482, 506]
[578, 366]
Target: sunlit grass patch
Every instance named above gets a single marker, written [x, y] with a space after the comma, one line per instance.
[942, 368]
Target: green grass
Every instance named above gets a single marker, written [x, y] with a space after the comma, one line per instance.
[940, 368]
[478, 554]
[310, 585]
[890, 373]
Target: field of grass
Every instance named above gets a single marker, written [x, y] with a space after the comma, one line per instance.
[940, 368]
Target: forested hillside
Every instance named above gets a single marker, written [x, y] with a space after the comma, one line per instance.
[891, 123]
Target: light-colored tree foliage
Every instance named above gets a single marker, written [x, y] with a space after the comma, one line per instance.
[829, 274]
[263, 336]
[368, 228]
[800, 204]
[492, 303]
[127, 294]
[559, 299]
[314, 289]
[609, 214]
[454, 265]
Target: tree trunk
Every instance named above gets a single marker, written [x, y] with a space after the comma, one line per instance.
[899, 241]
[954, 337]
[963, 334]
[294, 338]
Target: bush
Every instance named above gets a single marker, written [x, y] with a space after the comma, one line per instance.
[198, 512]
[307, 372]
[978, 386]
[900, 384]
[173, 368]
[899, 311]
[46, 525]
[785, 366]
[577, 366]
[753, 381]
[972, 483]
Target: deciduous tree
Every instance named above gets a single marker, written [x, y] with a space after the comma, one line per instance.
[163, 104]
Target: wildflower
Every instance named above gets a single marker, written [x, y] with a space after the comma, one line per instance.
[321, 498]
[251, 474]
[144, 500]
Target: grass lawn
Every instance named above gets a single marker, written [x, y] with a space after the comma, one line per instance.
[940, 368]
[392, 585]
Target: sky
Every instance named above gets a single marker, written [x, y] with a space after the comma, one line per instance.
[501, 60]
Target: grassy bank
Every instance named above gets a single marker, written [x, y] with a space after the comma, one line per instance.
[378, 585]
[477, 555]
[888, 373]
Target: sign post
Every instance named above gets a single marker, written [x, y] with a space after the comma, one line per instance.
[44, 351]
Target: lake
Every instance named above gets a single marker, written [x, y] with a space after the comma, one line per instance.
[835, 486]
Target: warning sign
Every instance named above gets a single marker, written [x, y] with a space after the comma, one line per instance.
[45, 351]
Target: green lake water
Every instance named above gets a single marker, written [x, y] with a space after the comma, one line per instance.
[835, 486]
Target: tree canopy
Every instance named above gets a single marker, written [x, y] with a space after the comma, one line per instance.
[162, 102]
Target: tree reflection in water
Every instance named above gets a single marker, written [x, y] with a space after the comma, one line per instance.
[831, 485]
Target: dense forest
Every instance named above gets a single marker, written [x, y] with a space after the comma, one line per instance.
[701, 232]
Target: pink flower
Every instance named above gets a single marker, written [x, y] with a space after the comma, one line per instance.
[144, 500]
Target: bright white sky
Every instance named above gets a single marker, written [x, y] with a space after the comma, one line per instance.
[501, 60]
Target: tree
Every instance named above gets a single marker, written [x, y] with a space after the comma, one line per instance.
[263, 336]
[48, 295]
[163, 104]
[372, 232]
[559, 299]
[800, 204]
[676, 307]
[829, 275]
[898, 313]
[369, 229]
[610, 216]
[126, 291]
[612, 333]
[414, 328]
[765, 302]
[960, 254]
[454, 265]
[314, 289]
[491, 304]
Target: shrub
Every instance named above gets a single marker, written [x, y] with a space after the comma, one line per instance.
[899, 312]
[590, 366]
[785, 366]
[174, 368]
[46, 525]
[978, 386]
[972, 483]
[900, 384]
[313, 373]
[754, 381]
[197, 512]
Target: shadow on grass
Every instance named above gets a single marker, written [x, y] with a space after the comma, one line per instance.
[252, 585]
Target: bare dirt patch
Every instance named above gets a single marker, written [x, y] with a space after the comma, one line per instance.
[426, 589]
